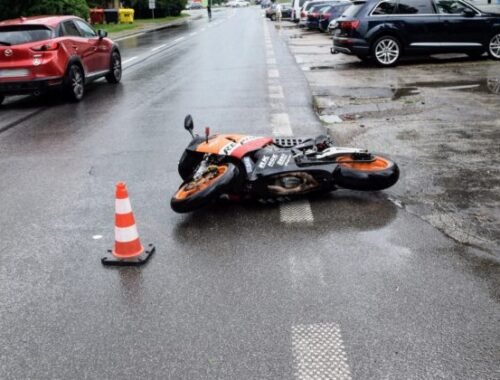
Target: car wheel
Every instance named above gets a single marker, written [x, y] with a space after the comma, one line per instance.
[74, 83]
[115, 74]
[273, 18]
[386, 51]
[494, 46]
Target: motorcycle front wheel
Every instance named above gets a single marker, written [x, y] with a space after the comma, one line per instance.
[195, 194]
[378, 173]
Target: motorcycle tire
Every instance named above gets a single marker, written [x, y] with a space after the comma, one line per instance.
[193, 195]
[377, 174]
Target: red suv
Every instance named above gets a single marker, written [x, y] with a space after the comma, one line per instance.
[40, 53]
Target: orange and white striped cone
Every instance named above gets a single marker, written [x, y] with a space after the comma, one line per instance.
[128, 250]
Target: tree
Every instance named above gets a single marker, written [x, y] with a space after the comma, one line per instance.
[16, 8]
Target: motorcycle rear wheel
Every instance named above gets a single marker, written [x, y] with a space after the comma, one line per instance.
[376, 174]
[193, 195]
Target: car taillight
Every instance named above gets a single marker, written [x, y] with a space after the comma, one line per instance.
[302, 14]
[315, 14]
[349, 25]
[46, 47]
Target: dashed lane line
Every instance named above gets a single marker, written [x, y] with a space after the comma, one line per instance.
[319, 352]
[298, 211]
[158, 47]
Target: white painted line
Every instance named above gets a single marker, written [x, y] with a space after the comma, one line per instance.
[319, 353]
[281, 124]
[298, 211]
[460, 87]
[193, 34]
[158, 47]
[271, 61]
[129, 60]
[275, 92]
[97, 237]
[272, 73]
[178, 40]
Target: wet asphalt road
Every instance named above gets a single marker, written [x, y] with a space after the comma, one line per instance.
[365, 290]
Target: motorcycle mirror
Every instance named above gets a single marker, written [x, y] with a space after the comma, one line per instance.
[189, 125]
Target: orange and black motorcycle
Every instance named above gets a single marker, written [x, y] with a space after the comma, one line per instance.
[272, 169]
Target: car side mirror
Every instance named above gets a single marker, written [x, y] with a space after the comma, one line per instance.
[468, 12]
[189, 125]
[102, 33]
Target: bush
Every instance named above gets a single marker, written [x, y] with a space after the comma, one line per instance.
[16, 8]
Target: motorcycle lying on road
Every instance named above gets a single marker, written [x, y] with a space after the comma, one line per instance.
[269, 169]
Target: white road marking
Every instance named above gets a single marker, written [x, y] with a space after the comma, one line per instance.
[97, 237]
[272, 73]
[275, 92]
[319, 353]
[281, 124]
[129, 60]
[158, 47]
[460, 87]
[298, 211]
[178, 40]
[193, 34]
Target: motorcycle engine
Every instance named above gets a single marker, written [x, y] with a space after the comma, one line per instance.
[290, 182]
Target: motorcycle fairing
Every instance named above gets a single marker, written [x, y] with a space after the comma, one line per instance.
[235, 146]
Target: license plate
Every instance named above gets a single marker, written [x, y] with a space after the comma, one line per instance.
[14, 73]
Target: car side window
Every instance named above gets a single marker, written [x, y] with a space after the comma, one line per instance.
[406, 7]
[385, 8]
[86, 30]
[70, 29]
[452, 7]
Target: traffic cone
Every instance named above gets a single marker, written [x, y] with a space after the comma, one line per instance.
[128, 250]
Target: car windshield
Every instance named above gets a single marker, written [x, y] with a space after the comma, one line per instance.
[22, 34]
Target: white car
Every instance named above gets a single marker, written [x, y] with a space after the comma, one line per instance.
[241, 3]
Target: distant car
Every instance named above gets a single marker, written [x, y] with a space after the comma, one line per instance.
[194, 5]
[304, 11]
[265, 3]
[41, 53]
[238, 3]
[313, 16]
[387, 30]
[332, 12]
[285, 9]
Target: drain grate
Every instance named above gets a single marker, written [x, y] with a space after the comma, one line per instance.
[288, 141]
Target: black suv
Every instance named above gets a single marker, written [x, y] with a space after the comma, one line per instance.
[385, 30]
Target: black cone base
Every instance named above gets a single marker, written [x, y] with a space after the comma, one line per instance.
[111, 260]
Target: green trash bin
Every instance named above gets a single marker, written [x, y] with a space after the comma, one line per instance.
[126, 16]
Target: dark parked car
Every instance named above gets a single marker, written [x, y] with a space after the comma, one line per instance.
[330, 13]
[387, 30]
[313, 16]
